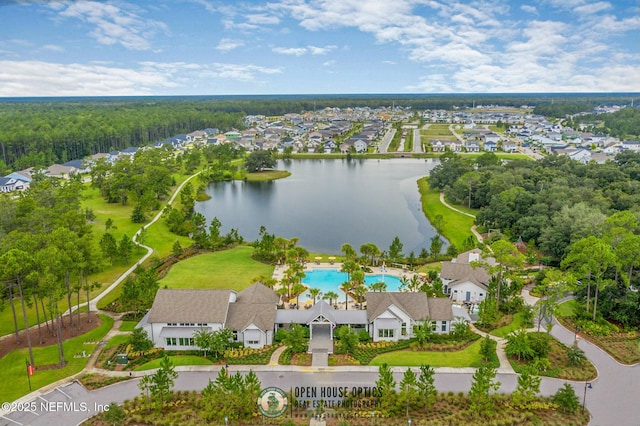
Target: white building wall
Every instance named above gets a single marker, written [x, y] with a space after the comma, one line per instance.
[468, 292]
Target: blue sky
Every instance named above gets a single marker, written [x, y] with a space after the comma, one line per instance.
[207, 47]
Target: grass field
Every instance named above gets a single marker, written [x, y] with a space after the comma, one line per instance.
[565, 309]
[116, 340]
[13, 369]
[516, 324]
[268, 175]
[128, 325]
[469, 357]
[177, 360]
[232, 269]
[457, 227]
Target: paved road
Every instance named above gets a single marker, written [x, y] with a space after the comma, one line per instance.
[386, 141]
[71, 404]
[417, 141]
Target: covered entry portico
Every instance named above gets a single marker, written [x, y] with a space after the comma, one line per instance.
[321, 334]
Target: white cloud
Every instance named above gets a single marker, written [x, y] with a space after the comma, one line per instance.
[315, 50]
[591, 8]
[113, 24]
[37, 78]
[261, 19]
[294, 51]
[299, 51]
[329, 63]
[227, 44]
[389, 62]
[529, 9]
[52, 48]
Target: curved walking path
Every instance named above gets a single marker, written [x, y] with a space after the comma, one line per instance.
[474, 230]
[94, 301]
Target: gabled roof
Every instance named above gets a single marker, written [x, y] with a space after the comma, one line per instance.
[440, 308]
[336, 316]
[257, 293]
[242, 315]
[463, 272]
[204, 306]
[413, 304]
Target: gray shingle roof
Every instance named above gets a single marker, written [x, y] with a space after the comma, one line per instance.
[413, 304]
[336, 316]
[463, 272]
[257, 293]
[440, 309]
[204, 306]
[242, 315]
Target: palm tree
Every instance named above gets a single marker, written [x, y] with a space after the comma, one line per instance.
[379, 286]
[349, 267]
[346, 287]
[331, 295]
[297, 289]
[415, 283]
[348, 251]
[359, 293]
[404, 282]
[314, 292]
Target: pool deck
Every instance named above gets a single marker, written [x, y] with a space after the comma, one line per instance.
[278, 274]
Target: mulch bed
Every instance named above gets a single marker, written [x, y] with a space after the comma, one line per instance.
[8, 343]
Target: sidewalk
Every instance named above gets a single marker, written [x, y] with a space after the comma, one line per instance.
[505, 365]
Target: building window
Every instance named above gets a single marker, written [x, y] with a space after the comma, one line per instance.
[481, 294]
[202, 324]
[404, 329]
[385, 332]
[235, 336]
[171, 341]
[186, 341]
[443, 327]
[187, 324]
[253, 342]
[172, 324]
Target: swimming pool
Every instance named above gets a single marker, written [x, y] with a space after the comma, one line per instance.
[330, 280]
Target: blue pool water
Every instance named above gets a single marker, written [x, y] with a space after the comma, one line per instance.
[331, 279]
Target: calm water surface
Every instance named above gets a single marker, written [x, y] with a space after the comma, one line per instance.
[327, 203]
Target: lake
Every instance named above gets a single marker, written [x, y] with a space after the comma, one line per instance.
[326, 203]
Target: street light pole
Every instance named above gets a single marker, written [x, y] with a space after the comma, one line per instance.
[587, 385]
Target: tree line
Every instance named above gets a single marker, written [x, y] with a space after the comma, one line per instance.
[43, 132]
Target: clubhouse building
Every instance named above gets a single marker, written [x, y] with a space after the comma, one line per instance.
[254, 317]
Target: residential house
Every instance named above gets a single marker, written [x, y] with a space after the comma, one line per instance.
[463, 281]
[631, 146]
[509, 146]
[60, 171]
[490, 146]
[11, 184]
[472, 146]
[392, 316]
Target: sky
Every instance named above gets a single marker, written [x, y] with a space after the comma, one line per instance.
[208, 47]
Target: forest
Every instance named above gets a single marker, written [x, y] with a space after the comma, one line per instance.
[41, 132]
[573, 216]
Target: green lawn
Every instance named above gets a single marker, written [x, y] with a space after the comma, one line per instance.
[116, 340]
[566, 309]
[13, 369]
[177, 361]
[457, 227]
[469, 357]
[268, 175]
[128, 325]
[516, 324]
[231, 269]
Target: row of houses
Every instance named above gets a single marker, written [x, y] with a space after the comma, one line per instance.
[253, 314]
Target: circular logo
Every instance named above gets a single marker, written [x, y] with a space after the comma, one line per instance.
[272, 402]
